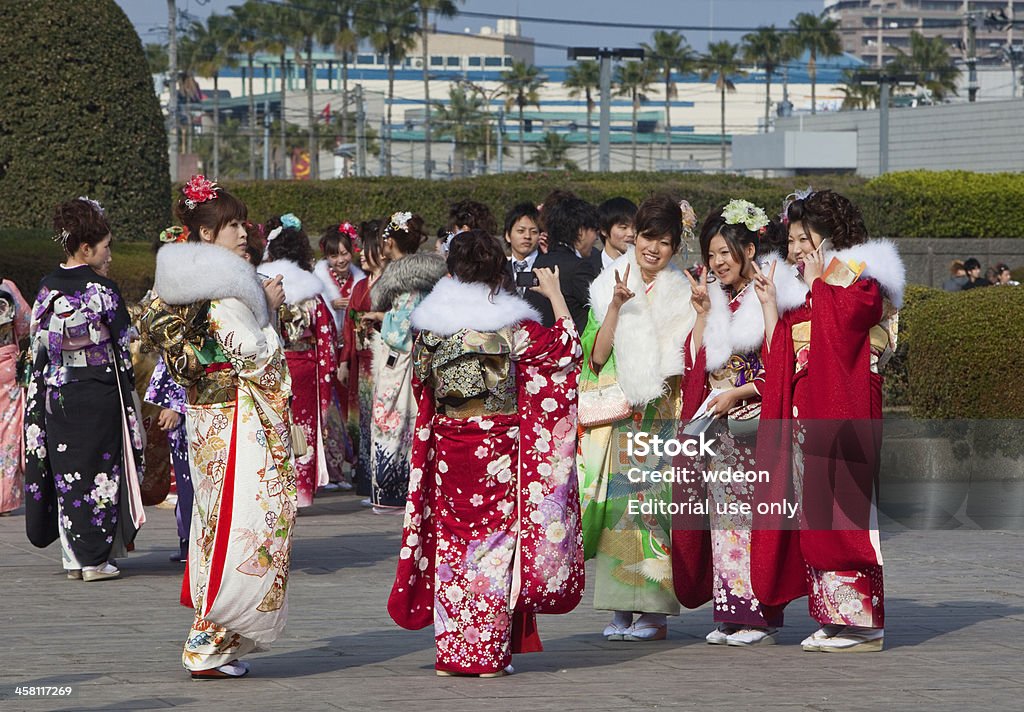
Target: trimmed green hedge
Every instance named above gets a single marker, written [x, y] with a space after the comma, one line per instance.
[29, 255]
[78, 116]
[965, 353]
[896, 384]
[945, 204]
[914, 204]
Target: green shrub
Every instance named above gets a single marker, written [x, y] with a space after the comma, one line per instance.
[913, 204]
[322, 203]
[29, 255]
[945, 204]
[79, 117]
[896, 385]
[964, 353]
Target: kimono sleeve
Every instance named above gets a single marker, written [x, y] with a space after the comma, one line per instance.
[255, 353]
[557, 346]
[396, 329]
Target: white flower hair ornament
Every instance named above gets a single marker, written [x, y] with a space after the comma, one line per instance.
[94, 203]
[398, 221]
[742, 212]
[792, 198]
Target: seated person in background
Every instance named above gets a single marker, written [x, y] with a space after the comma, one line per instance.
[957, 277]
[974, 278]
[1004, 278]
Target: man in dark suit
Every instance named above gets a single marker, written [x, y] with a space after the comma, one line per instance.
[522, 233]
[571, 225]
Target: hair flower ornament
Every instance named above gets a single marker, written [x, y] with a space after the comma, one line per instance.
[398, 221]
[176, 233]
[94, 203]
[689, 218]
[198, 190]
[742, 212]
[288, 221]
[792, 198]
[347, 228]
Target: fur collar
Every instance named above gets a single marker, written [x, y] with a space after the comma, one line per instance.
[299, 285]
[651, 331]
[331, 291]
[729, 332]
[790, 290]
[190, 272]
[418, 272]
[884, 265]
[453, 306]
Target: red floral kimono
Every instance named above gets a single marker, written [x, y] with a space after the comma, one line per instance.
[492, 525]
[357, 353]
[819, 438]
[310, 341]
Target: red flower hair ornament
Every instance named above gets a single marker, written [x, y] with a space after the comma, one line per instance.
[198, 190]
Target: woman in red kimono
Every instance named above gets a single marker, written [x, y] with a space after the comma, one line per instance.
[310, 343]
[820, 429]
[492, 527]
[711, 553]
[339, 246]
[356, 370]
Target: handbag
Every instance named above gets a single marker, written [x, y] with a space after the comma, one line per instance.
[743, 419]
[602, 402]
[299, 445]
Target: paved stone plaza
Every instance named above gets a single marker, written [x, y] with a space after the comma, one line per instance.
[955, 637]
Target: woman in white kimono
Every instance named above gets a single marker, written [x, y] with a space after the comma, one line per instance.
[212, 321]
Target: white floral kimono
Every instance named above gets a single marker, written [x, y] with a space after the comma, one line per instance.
[230, 358]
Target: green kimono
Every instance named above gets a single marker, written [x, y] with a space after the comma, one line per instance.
[632, 550]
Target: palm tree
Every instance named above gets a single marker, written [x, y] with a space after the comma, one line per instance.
[722, 62]
[342, 35]
[272, 22]
[215, 49]
[766, 48]
[670, 53]
[521, 87]
[857, 95]
[632, 79]
[461, 120]
[552, 152]
[819, 36]
[247, 22]
[391, 26]
[930, 64]
[189, 55]
[156, 57]
[584, 78]
[440, 8]
[308, 24]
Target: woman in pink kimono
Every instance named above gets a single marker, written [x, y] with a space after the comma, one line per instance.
[14, 323]
[492, 528]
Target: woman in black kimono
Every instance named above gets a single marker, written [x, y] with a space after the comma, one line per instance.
[83, 442]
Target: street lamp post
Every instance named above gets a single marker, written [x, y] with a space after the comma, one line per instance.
[884, 81]
[605, 55]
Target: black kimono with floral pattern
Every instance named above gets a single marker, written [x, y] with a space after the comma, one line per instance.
[83, 442]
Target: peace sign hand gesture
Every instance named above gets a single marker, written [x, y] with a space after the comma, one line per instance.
[764, 284]
[622, 293]
[699, 297]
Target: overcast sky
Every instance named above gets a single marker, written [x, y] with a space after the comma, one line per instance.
[150, 19]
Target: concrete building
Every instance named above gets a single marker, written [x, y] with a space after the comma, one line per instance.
[984, 136]
[874, 30]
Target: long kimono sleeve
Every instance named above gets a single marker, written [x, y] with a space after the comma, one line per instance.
[549, 577]
[396, 329]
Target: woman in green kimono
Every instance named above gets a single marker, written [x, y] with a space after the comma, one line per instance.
[633, 350]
